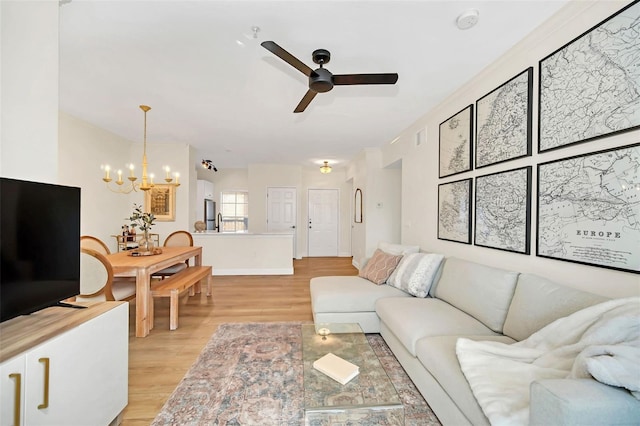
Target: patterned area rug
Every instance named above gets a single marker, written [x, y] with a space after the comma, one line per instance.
[251, 374]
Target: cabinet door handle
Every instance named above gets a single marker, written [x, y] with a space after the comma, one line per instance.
[16, 400]
[45, 403]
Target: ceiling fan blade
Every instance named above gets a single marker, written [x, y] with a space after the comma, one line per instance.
[306, 100]
[346, 79]
[287, 57]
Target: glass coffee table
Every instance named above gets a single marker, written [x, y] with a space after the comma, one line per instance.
[369, 398]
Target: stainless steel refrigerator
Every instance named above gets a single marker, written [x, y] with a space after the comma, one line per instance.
[210, 214]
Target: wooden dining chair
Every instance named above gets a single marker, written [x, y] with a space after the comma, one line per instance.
[93, 243]
[123, 288]
[175, 239]
[97, 281]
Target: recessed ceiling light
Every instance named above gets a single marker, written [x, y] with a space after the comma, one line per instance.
[468, 19]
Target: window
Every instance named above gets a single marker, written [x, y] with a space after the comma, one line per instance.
[235, 211]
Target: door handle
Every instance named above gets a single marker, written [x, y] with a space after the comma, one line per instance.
[16, 400]
[293, 227]
[45, 402]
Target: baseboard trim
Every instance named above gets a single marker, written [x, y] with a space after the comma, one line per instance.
[253, 271]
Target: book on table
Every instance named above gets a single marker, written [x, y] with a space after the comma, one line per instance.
[337, 368]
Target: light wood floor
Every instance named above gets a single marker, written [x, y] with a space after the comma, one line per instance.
[158, 362]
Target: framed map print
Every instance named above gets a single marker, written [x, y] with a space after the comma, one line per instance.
[454, 211]
[456, 147]
[589, 209]
[503, 210]
[590, 87]
[503, 121]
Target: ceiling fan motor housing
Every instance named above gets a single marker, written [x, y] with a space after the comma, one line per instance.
[321, 81]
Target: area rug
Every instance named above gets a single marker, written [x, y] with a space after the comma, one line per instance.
[251, 374]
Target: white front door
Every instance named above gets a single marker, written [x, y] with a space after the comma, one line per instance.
[323, 222]
[281, 211]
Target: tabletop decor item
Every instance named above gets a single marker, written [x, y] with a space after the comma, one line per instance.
[144, 222]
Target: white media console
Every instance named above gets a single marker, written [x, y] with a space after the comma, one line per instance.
[63, 366]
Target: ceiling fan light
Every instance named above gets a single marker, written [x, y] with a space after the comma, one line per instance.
[326, 168]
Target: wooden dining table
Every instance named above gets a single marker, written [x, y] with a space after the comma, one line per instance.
[142, 267]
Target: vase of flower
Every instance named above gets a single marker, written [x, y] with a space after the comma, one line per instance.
[144, 222]
[146, 243]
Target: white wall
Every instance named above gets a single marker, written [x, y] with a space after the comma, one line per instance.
[29, 85]
[420, 163]
[83, 148]
[381, 185]
[263, 176]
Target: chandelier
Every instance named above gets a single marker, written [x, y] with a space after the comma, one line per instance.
[147, 180]
[326, 168]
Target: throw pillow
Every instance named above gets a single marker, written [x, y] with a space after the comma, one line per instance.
[397, 248]
[415, 273]
[380, 266]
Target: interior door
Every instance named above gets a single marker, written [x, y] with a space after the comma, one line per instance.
[323, 222]
[282, 212]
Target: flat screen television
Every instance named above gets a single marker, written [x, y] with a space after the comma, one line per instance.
[39, 245]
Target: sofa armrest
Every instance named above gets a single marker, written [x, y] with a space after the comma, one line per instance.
[583, 402]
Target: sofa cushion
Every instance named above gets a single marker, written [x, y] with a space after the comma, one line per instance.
[481, 291]
[397, 248]
[348, 294]
[438, 355]
[380, 266]
[567, 402]
[538, 302]
[411, 319]
[415, 273]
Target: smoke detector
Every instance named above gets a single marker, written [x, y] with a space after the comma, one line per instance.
[468, 19]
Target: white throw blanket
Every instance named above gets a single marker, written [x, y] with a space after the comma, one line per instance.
[602, 341]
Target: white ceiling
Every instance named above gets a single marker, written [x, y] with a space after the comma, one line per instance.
[211, 85]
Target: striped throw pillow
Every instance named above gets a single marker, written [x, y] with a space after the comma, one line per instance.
[415, 274]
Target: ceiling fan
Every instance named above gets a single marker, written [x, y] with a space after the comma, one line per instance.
[321, 80]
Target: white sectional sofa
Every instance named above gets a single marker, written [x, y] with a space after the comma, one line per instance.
[478, 302]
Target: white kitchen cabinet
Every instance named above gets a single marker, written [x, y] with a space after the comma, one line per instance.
[87, 367]
[205, 189]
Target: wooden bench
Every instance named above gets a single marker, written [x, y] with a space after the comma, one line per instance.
[178, 283]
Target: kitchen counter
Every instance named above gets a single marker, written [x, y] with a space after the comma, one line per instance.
[246, 253]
